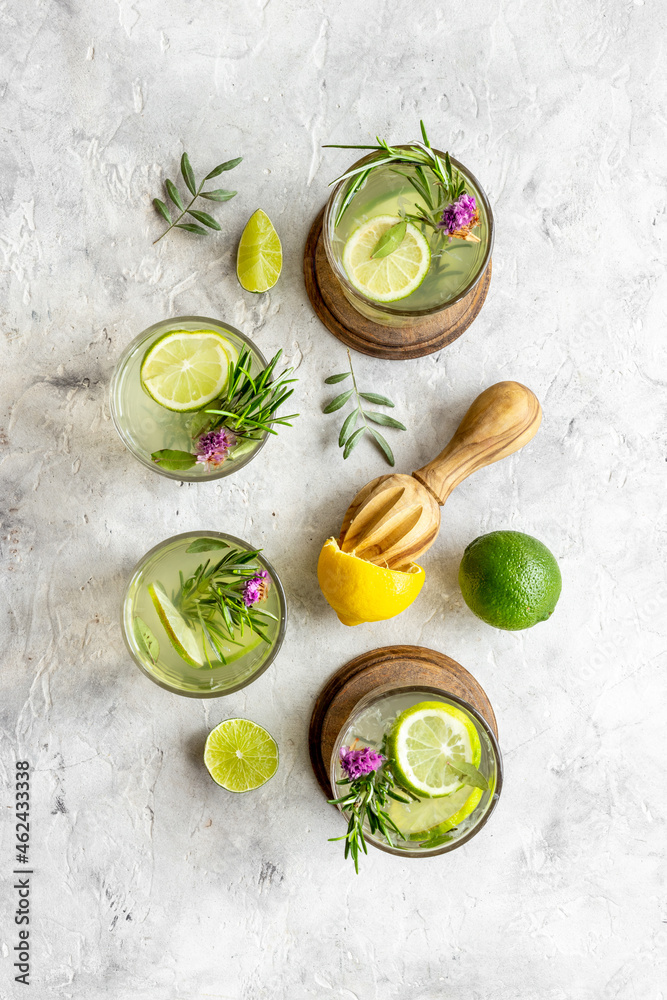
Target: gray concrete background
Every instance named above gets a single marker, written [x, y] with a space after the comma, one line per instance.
[151, 883]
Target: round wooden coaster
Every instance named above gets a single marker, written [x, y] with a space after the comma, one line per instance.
[400, 665]
[426, 335]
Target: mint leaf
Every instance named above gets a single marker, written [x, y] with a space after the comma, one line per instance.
[390, 241]
[206, 544]
[175, 461]
[469, 773]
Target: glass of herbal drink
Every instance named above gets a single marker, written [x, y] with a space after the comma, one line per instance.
[416, 772]
[408, 232]
[194, 399]
[204, 614]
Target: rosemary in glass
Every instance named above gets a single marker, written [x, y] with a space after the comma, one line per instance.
[437, 182]
[247, 408]
[365, 801]
[216, 598]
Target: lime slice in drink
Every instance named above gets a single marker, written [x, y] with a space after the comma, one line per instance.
[424, 739]
[186, 369]
[260, 256]
[240, 755]
[430, 818]
[232, 650]
[386, 279]
[180, 635]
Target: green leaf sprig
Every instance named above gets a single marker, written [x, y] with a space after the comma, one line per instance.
[366, 800]
[249, 403]
[448, 182]
[212, 597]
[350, 435]
[247, 407]
[220, 194]
[435, 179]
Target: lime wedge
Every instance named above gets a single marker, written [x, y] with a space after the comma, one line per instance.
[260, 256]
[240, 755]
[423, 739]
[186, 369]
[386, 279]
[429, 818]
[180, 634]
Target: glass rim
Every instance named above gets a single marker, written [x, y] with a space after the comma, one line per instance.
[392, 307]
[182, 474]
[379, 692]
[273, 652]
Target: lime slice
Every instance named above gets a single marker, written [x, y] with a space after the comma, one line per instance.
[429, 818]
[232, 651]
[186, 369]
[386, 279]
[180, 634]
[260, 256]
[240, 755]
[423, 739]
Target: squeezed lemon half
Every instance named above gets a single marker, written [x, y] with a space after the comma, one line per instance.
[359, 591]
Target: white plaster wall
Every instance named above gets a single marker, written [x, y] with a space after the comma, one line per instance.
[151, 883]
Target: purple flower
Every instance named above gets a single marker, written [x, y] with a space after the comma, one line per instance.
[256, 588]
[357, 763]
[213, 448]
[459, 214]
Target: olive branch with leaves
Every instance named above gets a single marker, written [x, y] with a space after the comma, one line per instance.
[219, 194]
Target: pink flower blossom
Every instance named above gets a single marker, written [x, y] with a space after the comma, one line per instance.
[213, 448]
[256, 588]
[459, 214]
[357, 763]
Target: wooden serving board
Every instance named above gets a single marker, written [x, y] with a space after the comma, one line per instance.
[400, 665]
[425, 336]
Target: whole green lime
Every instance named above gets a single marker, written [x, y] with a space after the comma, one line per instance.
[509, 580]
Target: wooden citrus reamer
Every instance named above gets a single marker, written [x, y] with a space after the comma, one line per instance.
[394, 519]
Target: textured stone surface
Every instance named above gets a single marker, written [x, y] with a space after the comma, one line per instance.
[151, 883]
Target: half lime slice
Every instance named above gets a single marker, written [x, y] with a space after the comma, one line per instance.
[186, 369]
[386, 279]
[260, 256]
[424, 739]
[180, 634]
[240, 755]
[429, 818]
[235, 650]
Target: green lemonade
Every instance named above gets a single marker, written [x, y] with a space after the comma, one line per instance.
[246, 656]
[146, 427]
[428, 824]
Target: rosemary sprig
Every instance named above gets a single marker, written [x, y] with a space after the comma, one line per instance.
[370, 783]
[213, 597]
[349, 437]
[247, 408]
[249, 403]
[435, 179]
[366, 800]
[202, 217]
